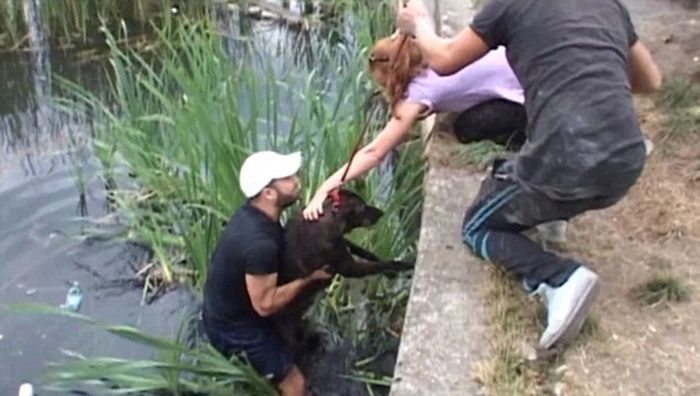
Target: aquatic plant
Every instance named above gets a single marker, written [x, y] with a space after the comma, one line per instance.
[179, 128]
[72, 23]
[180, 366]
[175, 128]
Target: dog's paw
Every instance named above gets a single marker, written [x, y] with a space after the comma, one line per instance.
[403, 265]
[394, 267]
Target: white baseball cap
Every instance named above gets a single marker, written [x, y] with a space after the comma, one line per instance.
[261, 168]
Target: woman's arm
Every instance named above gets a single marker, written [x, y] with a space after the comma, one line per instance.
[369, 156]
[445, 56]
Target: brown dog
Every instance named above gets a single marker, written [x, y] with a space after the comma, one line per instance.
[314, 245]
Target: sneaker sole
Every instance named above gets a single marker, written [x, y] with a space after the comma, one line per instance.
[575, 322]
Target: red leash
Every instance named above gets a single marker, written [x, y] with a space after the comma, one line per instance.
[335, 193]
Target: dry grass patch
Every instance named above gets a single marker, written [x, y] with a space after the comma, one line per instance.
[478, 155]
[645, 246]
[645, 249]
[517, 321]
[662, 290]
[510, 315]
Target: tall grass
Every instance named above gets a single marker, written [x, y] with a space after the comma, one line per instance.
[10, 17]
[73, 21]
[175, 129]
[477, 154]
[76, 22]
[679, 98]
[180, 367]
[181, 127]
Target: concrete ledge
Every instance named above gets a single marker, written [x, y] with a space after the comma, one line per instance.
[444, 331]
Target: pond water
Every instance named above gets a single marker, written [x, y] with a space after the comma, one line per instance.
[44, 219]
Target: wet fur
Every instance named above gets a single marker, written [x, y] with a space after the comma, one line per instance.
[310, 246]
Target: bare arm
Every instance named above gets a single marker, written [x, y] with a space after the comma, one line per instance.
[369, 156]
[445, 56]
[642, 72]
[268, 298]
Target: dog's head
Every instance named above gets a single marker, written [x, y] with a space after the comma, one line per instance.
[353, 210]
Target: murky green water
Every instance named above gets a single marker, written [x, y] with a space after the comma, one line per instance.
[42, 221]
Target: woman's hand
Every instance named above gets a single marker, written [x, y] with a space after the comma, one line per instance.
[314, 209]
[408, 15]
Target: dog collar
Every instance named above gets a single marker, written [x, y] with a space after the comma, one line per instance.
[335, 198]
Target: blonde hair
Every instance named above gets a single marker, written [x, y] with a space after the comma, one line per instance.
[394, 62]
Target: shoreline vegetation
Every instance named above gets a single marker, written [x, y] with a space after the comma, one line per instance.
[170, 134]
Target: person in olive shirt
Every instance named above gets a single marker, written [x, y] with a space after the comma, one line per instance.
[578, 62]
[241, 291]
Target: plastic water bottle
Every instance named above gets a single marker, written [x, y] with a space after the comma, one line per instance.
[74, 298]
[26, 389]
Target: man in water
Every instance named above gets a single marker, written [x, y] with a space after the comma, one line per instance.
[241, 291]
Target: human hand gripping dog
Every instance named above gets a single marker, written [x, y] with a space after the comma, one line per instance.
[320, 274]
[314, 209]
[367, 158]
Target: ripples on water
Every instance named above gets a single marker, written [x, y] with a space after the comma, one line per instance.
[42, 221]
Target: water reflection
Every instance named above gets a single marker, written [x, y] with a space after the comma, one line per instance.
[48, 182]
[31, 122]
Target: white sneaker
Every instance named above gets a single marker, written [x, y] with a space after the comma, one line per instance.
[26, 389]
[568, 306]
[648, 146]
[553, 231]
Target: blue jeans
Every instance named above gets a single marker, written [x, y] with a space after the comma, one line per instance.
[502, 210]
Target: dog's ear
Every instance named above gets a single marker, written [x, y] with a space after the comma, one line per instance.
[344, 199]
[349, 202]
[355, 211]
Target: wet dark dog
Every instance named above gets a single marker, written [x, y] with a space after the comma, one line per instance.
[310, 246]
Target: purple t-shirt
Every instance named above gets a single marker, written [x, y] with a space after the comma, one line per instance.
[488, 78]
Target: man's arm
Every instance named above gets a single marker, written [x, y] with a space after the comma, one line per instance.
[268, 298]
[445, 56]
[643, 74]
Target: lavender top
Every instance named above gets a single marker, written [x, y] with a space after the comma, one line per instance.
[488, 78]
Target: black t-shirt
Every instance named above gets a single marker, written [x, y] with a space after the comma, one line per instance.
[571, 59]
[250, 244]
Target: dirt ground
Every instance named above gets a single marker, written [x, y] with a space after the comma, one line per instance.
[632, 349]
[655, 230]
[642, 350]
